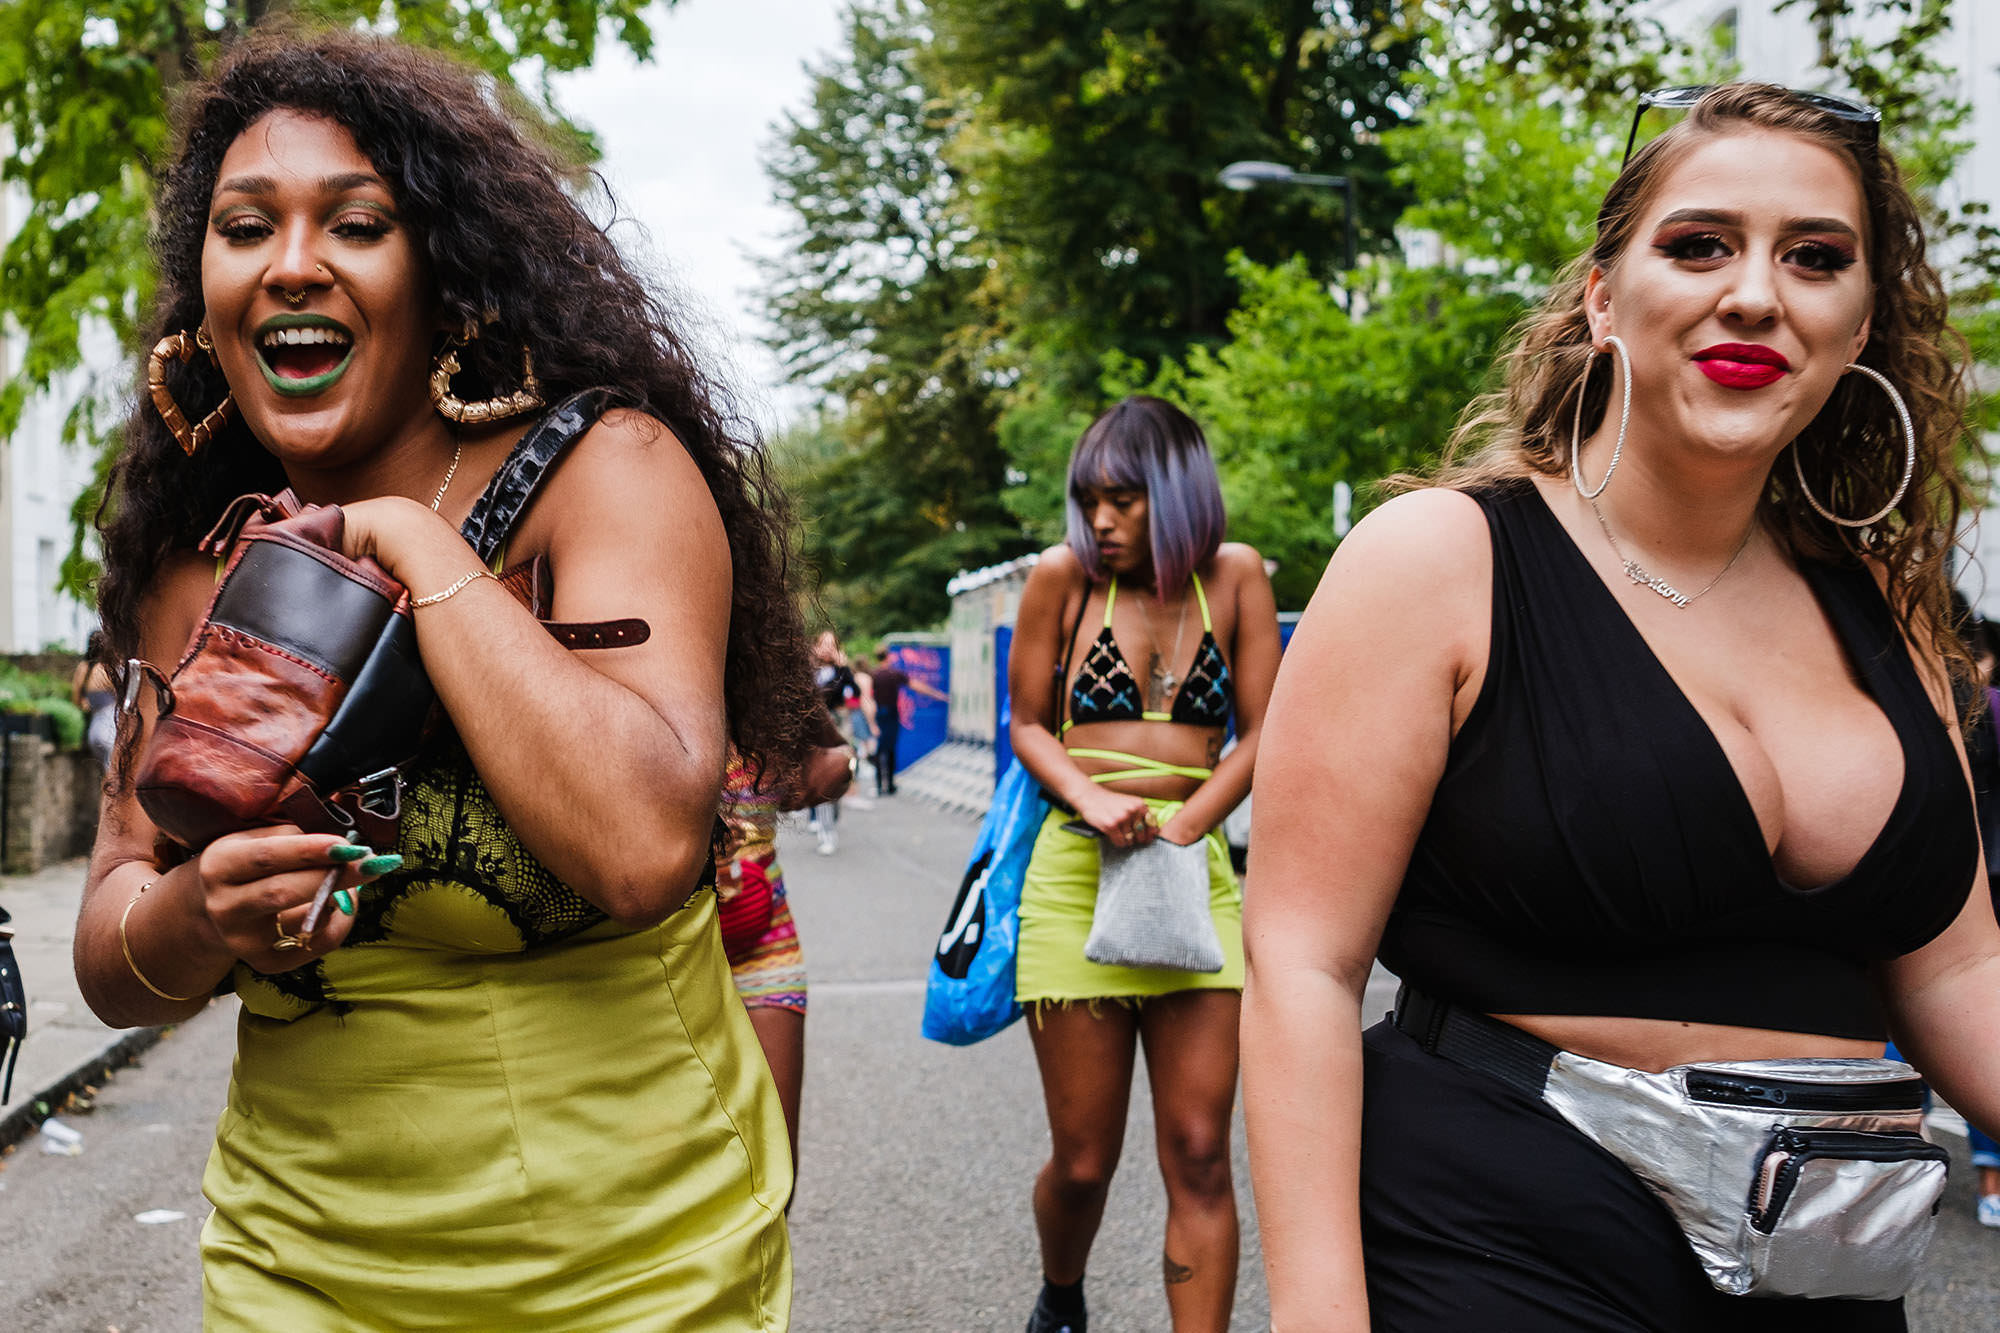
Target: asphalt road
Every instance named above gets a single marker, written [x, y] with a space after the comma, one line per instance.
[912, 1211]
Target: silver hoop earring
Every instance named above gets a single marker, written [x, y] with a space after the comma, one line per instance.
[1576, 426]
[1909, 461]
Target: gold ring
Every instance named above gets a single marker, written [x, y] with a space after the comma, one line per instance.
[293, 298]
[286, 940]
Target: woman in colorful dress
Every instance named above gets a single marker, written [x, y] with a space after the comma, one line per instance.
[758, 935]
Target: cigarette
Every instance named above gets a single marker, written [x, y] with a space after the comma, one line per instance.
[318, 907]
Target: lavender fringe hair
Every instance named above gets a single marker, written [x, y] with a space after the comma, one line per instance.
[1148, 444]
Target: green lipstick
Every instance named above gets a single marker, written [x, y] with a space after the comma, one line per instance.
[312, 384]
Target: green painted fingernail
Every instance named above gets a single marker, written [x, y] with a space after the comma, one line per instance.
[344, 901]
[381, 865]
[344, 852]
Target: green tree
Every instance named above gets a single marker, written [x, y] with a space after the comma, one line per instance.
[1094, 133]
[1302, 396]
[1927, 120]
[1503, 177]
[877, 304]
[85, 87]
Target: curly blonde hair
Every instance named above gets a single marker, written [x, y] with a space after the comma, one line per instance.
[1852, 452]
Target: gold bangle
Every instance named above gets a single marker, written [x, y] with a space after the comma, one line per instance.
[126, 945]
[456, 588]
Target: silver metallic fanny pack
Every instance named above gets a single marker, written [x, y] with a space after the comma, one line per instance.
[1788, 1177]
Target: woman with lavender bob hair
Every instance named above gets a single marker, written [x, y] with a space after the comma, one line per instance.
[1167, 460]
[1120, 708]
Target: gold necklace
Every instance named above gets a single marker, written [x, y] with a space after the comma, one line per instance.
[457, 448]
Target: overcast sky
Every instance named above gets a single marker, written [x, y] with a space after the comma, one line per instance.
[683, 139]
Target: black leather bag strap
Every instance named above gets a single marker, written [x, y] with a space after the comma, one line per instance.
[506, 497]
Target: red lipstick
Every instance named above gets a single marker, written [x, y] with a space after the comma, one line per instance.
[1742, 365]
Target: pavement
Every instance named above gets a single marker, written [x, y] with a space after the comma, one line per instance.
[67, 1050]
[916, 1159]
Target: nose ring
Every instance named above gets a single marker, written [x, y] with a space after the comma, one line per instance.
[297, 298]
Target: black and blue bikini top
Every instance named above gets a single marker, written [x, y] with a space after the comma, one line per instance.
[1105, 689]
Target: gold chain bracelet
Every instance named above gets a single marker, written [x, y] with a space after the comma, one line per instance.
[456, 588]
[126, 945]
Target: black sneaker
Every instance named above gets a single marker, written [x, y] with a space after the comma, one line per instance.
[1043, 1321]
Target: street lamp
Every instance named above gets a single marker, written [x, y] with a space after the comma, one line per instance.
[1258, 175]
[1261, 175]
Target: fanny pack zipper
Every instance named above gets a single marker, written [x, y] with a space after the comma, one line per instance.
[1903, 1094]
[1846, 1145]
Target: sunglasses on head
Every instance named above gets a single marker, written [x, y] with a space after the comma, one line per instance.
[1679, 99]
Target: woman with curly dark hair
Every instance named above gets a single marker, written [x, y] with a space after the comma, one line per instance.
[506, 1083]
[1630, 747]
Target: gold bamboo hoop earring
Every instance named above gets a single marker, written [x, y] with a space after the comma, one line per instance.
[1576, 426]
[1909, 460]
[453, 408]
[182, 347]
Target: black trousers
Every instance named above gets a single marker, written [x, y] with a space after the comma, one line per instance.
[886, 729]
[1483, 1209]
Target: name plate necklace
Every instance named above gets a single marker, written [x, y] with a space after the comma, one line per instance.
[1645, 578]
[1161, 680]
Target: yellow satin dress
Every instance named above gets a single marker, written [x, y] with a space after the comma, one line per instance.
[495, 1109]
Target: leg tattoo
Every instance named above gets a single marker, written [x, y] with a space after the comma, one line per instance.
[1174, 1273]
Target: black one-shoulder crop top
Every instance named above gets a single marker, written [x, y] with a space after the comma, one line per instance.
[1590, 851]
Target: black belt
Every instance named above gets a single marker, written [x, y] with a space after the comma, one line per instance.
[1469, 1038]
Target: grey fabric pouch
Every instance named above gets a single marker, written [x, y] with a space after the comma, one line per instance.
[1788, 1177]
[1152, 909]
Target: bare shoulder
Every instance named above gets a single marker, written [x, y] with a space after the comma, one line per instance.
[624, 447]
[1237, 558]
[1417, 573]
[1414, 581]
[1057, 574]
[1054, 585]
[1435, 539]
[626, 477]
[1057, 564]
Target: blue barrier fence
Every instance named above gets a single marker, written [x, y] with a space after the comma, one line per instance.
[923, 719]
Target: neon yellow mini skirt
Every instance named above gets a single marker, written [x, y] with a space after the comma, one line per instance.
[1058, 898]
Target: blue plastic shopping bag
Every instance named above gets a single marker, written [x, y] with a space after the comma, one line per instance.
[971, 992]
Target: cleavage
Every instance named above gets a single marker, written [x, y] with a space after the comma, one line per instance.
[1820, 782]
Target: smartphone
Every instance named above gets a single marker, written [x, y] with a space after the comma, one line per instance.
[1081, 829]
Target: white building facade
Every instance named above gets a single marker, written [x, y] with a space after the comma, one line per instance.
[40, 480]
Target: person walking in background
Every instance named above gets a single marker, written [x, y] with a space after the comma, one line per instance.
[90, 690]
[755, 915]
[1121, 704]
[507, 1082]
[840, 694]
[1629, 744]
[886, 683]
